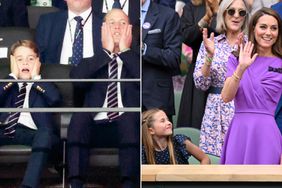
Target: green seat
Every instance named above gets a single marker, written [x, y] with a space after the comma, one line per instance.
[193, 133]
[214, 159]
[177, 98]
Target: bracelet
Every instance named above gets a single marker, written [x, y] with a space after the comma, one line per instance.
[208, 61]
[236, 77]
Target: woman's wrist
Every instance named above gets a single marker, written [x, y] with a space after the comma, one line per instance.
[208, 61]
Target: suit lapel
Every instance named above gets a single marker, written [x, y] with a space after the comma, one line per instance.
[151, 18]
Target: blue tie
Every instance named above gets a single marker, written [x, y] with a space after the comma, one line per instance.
[77, 48]
[116, 4]
[14, 116]
[112, 101]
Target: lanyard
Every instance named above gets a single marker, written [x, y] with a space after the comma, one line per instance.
[80, 29]
[107, 7]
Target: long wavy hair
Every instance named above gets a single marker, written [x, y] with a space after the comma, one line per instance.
[148, 141]
[277, 46]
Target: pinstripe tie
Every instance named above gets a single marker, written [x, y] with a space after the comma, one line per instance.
[112, 100]
[14, 116]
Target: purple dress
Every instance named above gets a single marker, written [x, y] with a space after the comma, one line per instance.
[253, 136]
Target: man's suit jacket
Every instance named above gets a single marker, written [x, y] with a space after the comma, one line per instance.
[41, 95]
[50, 33]
[97, 67]
[161, 34]
[13, 13]
[168, 3]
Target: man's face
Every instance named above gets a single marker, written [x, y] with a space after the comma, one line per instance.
[143, 1]
[78, 6]
[118, 22]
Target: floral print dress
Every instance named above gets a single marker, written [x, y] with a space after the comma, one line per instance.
[218, 114]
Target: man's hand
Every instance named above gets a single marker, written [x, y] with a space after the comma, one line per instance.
[107, 39]
[126, 38]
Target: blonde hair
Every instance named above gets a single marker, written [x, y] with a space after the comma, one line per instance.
[220, 23]
[148, 141]
[26, 43]
[277, 46]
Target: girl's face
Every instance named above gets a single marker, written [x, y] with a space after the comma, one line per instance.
[25, 59]
[266, 32]
[161, 125]
[235, 15]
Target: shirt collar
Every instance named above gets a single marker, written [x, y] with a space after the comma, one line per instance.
[84, 15]
[145, 6]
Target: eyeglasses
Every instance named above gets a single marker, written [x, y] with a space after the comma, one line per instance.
[232, 11]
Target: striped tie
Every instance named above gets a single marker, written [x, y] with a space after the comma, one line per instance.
[112, 101]
[77, 49]
[14, 116]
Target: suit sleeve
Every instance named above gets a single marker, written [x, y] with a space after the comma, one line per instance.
[5, 89]
[50, 93]
[169, 54]
[89, 68]
[131, 63]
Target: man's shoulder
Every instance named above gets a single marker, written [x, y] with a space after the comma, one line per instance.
[54, 16]
[164, 10]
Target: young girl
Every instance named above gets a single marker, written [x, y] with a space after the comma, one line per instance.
[159, 144]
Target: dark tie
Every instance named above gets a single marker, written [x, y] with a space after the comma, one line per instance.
[14, 116]
[116, 4]
[112, 101]
[77, 48]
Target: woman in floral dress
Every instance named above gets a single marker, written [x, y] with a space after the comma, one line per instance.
[210, 72]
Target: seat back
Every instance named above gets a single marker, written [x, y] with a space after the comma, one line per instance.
[191, 132]
[34, 13]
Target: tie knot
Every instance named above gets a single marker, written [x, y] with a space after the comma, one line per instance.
[117, 4]
[78, 19]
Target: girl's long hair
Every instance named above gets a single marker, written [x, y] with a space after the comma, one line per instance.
[148, 141]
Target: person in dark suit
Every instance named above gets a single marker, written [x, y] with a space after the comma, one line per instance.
[100, 129]
[161, 50]
[13, 13]
[28, 128]
[55, 36]
[55, 33]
